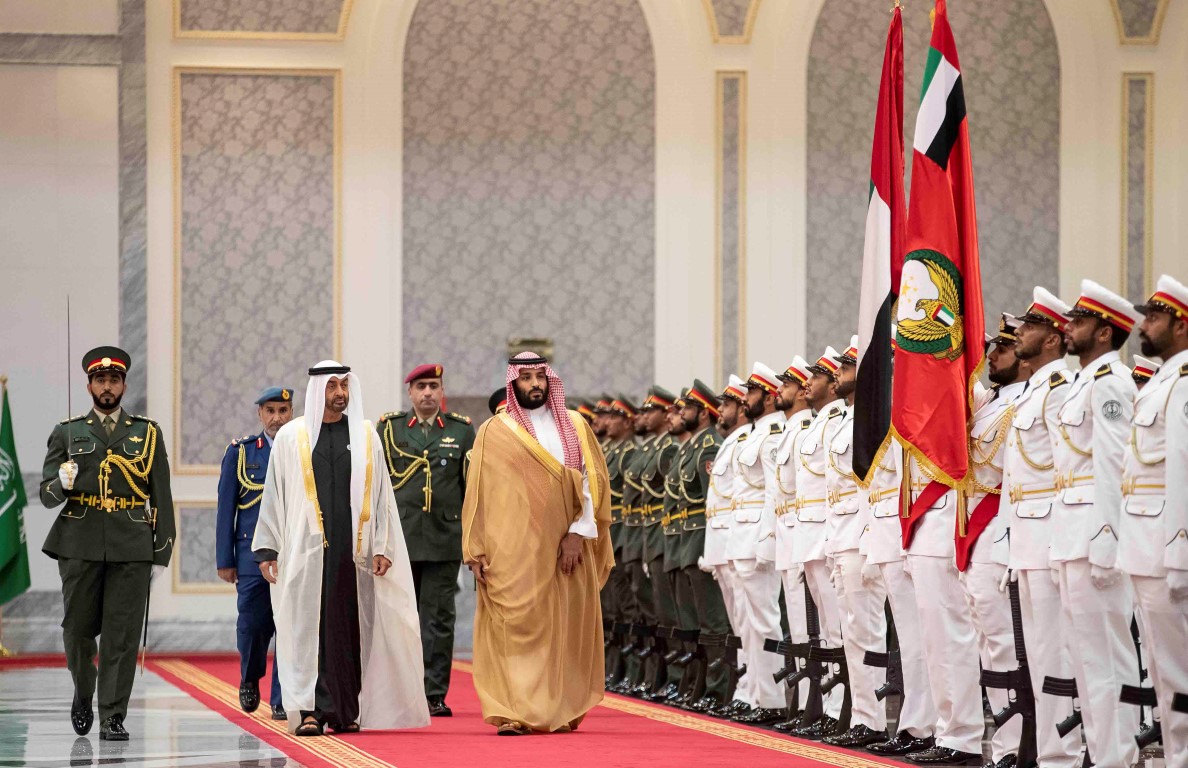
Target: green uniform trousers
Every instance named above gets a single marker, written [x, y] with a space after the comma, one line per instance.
[436, 584]
[105, 600]
[710, 617]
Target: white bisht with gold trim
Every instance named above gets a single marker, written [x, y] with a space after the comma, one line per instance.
[393, 694]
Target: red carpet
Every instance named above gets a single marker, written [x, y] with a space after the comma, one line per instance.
[620, 732]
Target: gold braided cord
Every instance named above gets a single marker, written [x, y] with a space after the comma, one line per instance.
[401, 478]
[982, 457]
[138, 468]
[244, 481]
[1134, 449]
[1068, 441]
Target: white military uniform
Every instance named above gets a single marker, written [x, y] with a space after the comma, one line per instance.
[882, 544]
[754, 564]
[1092, 429]
[945, 622]
[990, 607]
[779, 518]
[865, 622]
[809, 538]
[1153, 537]
[719, 511]
[1029, 492]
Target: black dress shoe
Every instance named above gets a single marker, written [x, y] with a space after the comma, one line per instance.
[438, 708]
[727, 711]
[761, 716]
[81, 717]
[858, 736]
[1007, 761]
[903, 744]
[249, 696]
[112, 729]
[705, 704]
[278, 712]
[663, 693]
[81, 753]
[943, 756]
[818, 730]
[787, 726]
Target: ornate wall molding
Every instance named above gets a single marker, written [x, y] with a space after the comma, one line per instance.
[300, 20]
[730, 223]
[1138, 183]
[194, 567]
[1139, 21]
[257, 240]
[731, 22]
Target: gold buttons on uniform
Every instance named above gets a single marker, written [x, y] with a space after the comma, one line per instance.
[108, 451]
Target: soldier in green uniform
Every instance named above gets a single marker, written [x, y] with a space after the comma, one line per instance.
[427, 452]
[616, 594]
[110, 470]
[695, 583]
[644, 493]
[683, 680]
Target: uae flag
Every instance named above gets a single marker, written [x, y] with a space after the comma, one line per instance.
[882, 261]
[939, 317]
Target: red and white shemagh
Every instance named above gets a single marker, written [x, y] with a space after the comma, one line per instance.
[555, 403]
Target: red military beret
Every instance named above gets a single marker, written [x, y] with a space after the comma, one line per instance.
[428, 371]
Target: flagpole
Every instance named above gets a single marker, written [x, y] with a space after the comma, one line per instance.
[4, 652]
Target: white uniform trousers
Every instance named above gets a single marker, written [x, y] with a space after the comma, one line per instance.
[761, 591]
[949, 637]
[991, 611]
[794, 604]
[1047, 654]
[917, 714]
[1165, 630]
[816, 575]
[728, 583]
[865, 629]
[1104, 659]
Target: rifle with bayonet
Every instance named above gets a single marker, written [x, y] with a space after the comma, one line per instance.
[1018, 684]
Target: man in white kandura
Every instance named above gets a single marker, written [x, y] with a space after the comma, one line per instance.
[329, 541]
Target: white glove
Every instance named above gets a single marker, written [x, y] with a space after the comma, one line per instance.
[835, 576]
[1008, 576]
[701, 566]
[157, 571]
[870, 575]
[1055, 574]
[798, 574]
[1104, 578]
[67, 472]
[907, 567]
[645, 567]
[1177, 582]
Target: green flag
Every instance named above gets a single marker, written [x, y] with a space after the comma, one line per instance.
[14, 556]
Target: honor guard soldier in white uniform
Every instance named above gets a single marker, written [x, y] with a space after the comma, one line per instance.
[882, 545]
[862, 594]
[808, 541]
[779, 514]
[1093, 427]
[982, 550]
[754, 560]
[1153, 527]
[1029, 492]
[720, 511]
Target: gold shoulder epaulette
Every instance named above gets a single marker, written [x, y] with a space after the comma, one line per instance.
[1184, 369]
[392, 415]
[458, 417]
[239, 440]
[138, 417]
[80, 417]
[776, 428]
[1104, 370]
[709, 441]
[806, 423]
[834, 411]
[1056, 379]
[743, 437]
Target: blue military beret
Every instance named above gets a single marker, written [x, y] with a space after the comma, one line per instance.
[275, 395]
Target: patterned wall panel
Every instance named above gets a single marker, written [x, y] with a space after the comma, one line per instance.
[262, 19]
[731, 21]
[1011, 71]
[730, 222]
[257, 245]
[194, 567]
[529, 164]
[1139, 21]
[1138, 115]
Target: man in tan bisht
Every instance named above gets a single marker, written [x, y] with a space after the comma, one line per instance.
[535, 533]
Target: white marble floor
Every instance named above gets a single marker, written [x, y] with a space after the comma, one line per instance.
[168, 728]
